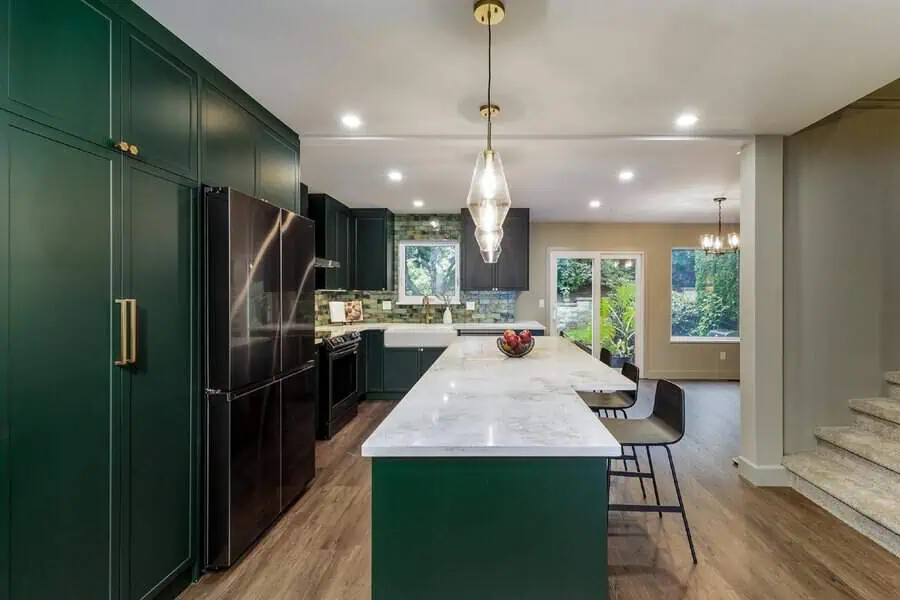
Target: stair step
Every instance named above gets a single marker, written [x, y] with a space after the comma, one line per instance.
[887, 409]
[873, 497]
[868, 445]
[893, 383]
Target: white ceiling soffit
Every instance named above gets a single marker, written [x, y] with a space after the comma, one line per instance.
[415, 71]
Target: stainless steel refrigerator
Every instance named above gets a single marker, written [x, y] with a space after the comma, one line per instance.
[260, 368]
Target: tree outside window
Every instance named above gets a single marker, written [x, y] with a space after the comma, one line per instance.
[705, 296]
[430, 269]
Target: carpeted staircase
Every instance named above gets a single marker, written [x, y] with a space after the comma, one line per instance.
[854, 473]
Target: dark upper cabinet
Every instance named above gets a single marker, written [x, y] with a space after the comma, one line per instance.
[159, 106]
[228, 135]
[476, 275]
[304, 199]
[511, 270]
[334, 241]
[277, 172]
[374, 269]
[61, 65]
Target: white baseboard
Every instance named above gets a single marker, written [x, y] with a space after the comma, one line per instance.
[763, 475]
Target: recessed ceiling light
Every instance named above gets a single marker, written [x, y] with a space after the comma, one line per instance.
[686, 120]
[351, 121]
[595, 204]
[418, 203]
[395, 176]
[626, 175]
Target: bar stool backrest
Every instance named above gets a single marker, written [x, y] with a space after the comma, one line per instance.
[605, 357]
[632, 372]
[668, 405]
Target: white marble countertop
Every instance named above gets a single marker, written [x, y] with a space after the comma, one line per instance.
[474, 401]
[340, 329]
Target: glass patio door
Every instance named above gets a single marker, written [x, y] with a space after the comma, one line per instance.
[596, 300]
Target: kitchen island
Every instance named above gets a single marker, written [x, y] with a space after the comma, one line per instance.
[489, 478]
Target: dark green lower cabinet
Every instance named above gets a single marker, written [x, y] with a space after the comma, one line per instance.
[427, 357]
[374, 348]
[516, 528]
[401, 369]
[60, 455]
[160, 236]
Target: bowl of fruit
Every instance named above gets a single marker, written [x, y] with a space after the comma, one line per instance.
[515, 345]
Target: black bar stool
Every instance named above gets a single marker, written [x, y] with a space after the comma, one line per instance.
[618, 402]
[605, 357]
[664, 427]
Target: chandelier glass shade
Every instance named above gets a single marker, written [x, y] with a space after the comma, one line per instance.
[719, 243]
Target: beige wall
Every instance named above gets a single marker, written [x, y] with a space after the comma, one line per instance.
[662, 358]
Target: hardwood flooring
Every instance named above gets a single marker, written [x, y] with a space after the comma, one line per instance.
[752, 543]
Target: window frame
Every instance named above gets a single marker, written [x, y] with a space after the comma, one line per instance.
[687, 339]
[406, 300]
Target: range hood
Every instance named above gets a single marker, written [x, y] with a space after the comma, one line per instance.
[326, 263]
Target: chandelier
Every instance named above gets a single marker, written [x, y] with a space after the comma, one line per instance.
[488, 200]
[715, 243]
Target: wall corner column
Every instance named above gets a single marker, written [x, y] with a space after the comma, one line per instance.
[762, 312]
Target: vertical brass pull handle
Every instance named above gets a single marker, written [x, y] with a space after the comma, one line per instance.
[123, 333]
[134, 331]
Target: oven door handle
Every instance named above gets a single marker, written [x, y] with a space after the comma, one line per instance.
[342, 354]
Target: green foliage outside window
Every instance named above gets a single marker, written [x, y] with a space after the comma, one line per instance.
[431, 270]
[705, 294]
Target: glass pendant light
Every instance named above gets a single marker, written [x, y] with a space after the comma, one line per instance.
[715, 243]
[488, 200]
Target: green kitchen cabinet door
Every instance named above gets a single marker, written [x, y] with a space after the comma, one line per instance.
[59, 205]
[374, 341]
[228, 137]
[374, 249]
[401, 369]
[162, 402]
[160, 107]
[343, 237]
[474, 274]
[512, 267]
[427, 357]
[278, 171]
[62, 66]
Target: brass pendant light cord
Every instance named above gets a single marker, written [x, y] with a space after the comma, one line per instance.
[490, 106]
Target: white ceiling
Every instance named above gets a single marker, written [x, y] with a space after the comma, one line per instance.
[568, 74]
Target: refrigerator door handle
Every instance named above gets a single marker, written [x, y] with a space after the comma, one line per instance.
[134, 331]
[123, 333]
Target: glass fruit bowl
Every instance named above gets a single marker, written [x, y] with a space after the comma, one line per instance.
[518, 351]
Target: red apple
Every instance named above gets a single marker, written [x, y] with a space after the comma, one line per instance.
[514, 341]
[508, 335]
[525, 336]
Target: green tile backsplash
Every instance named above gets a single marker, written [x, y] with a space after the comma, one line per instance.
[490, 307]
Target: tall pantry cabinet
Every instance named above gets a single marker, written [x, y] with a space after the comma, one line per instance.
[103, 134]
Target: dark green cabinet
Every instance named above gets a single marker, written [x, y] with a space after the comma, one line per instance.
[61, 65]
[159, 444]
[374, 244]
[335, 240]
[62, 392]
[160, 107]
[278, 172]
[228, 134]
[403, 367]
[510, 272]
[373, 341]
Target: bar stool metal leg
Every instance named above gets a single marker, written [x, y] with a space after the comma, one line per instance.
[653, 478]
[687, 528]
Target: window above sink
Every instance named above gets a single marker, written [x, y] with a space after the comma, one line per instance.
[428, 269]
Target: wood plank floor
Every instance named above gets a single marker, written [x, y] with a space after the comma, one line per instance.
[752, 543]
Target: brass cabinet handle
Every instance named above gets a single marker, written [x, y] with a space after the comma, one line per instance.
[123, 335]
[122, 145]
[134, 150]
[134, 331]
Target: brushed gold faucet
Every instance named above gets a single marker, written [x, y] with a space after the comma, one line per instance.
[426, 309]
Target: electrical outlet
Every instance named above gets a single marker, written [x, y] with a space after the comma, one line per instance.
[541, 303]
[470, 306]
[386, 305]
[722, 356]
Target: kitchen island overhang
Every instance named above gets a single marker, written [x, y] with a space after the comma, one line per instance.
[489, 478]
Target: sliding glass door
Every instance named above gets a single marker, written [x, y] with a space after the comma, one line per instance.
[596, 300]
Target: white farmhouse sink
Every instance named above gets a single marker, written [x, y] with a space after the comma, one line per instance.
[419, 336]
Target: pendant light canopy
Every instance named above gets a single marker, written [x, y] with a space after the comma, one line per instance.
[716, 243]
[488, 200]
